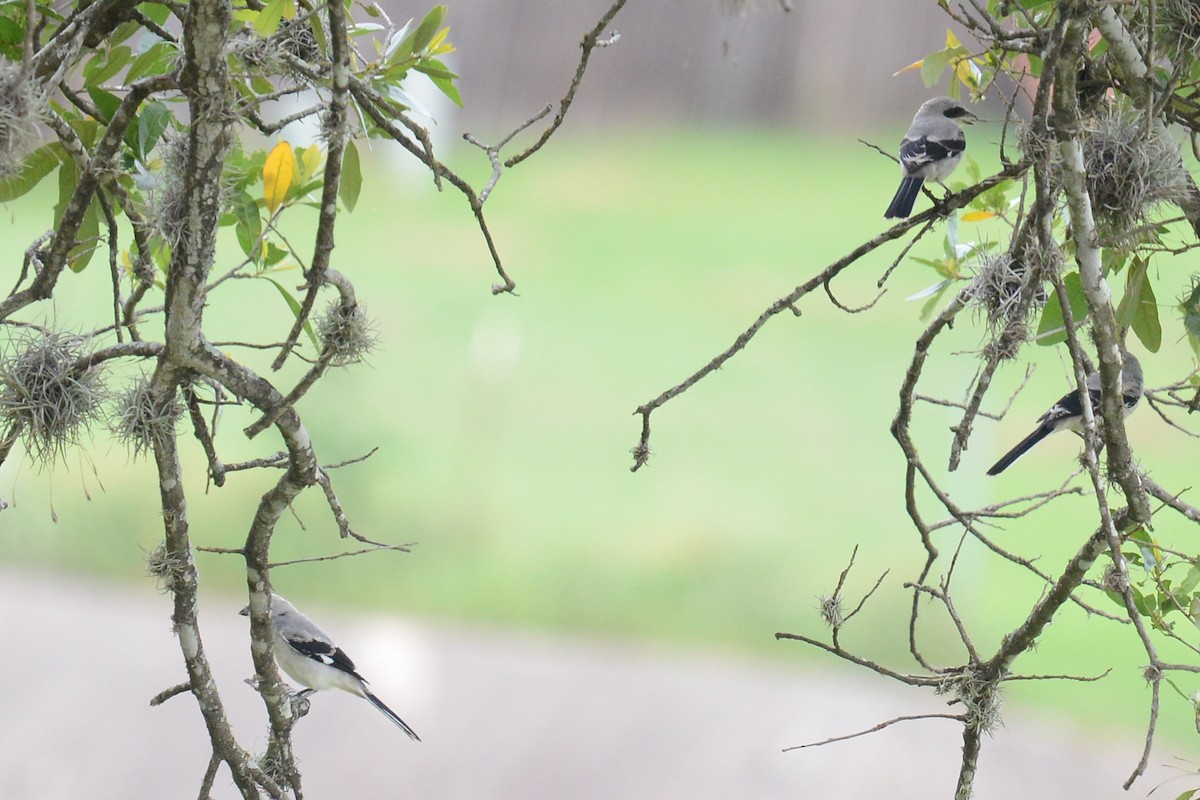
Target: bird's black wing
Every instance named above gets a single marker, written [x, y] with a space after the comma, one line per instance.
[1068, 408]
[324, 652]
[917, 153]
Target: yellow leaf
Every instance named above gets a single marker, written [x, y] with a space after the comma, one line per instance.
[279, 172]
[310, 159]
[977, 216]
[952, 40]
[438, 38]
[968, 73]
[910, 67]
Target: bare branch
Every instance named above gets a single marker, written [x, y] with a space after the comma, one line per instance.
[167, 694]
[911, 680]
[876, 729]
[402, 548]
[591, 40]
[641, 452]
[1077, 678]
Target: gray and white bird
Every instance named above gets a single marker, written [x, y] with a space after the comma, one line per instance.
[930, 150]
[310, 658]
[1067, 413]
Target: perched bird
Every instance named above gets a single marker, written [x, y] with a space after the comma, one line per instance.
[1067, 413]
[930, 150]
[305, 653]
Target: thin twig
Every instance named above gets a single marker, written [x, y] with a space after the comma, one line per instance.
[403, 548]
[911, 680]
[1077, 678]
[876, 729]
[591, 40]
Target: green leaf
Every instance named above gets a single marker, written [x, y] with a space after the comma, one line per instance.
[67, 180]
[1112, 260]
[151, 124]
[12, 36]
[38, 165]
[273, 255]
[442, 78]
[1051, 329]
[1144, 604]
[434, 68]
[249, 224]
[156, 60]
[309, 159]
[351, 184]
[157, 12]
[932, 67]
[1189, 304]
[103, 66]
[124, 31]
[1117, 599]
[1145, 318]
[428, 27]
[1133, 290]
[261, 84]
[160, 252]
[88, 237]
[448, 89]
[318, 30]
[399, 45]
[267, 21]
[89, 227]
[87, 128]
[1190, 581]
[106, 102]
[294, 305]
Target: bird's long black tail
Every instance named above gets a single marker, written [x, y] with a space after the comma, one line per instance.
[387, 712]
[906, 195]
[1022, 447]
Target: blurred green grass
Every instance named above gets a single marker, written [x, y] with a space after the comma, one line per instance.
[504, 423]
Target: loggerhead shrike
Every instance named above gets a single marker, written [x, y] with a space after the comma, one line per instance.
[930, 150]
[305, 653]
[1067, 413]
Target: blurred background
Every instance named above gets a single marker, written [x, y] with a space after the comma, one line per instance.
[564, 627]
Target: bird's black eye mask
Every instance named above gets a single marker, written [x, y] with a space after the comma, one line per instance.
[957, 112]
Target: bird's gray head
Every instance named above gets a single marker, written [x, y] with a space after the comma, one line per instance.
[279, 607]
[1131, 372]
[945, 107]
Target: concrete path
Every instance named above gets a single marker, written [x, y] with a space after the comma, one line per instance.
[503, 715]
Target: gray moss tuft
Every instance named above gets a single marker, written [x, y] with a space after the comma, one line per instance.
[997, 289]
[44, 395]
[348, 336]
[137, 421]
[22, 106]
[1131, 170]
